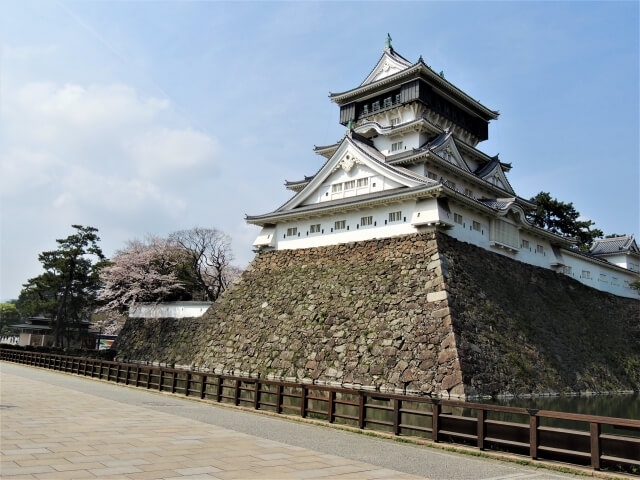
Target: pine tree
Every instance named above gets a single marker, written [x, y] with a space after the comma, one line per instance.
[562, 218]
[66, 292]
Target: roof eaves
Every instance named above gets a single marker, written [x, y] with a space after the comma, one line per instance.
[356, 202]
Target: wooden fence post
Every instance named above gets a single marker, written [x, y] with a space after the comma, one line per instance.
[303, 401]
[187, 384]
[256, 394]
[361, 410]
[396, 416]
[435, 420]
[594, 429]
[534, 423]
[330, 407]
[203, 385]
[482, 417]
[236, 393]
[219, 389]
[279, 398]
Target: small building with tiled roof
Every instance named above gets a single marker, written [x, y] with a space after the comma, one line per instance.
[409, 163]
[620, 250]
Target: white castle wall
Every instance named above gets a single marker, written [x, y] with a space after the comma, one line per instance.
[416, 216]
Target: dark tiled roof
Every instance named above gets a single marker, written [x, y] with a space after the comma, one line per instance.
[28, 326]
[306, 179]
[323, 147]
[608, 246]
[486, 168]
[498, 204]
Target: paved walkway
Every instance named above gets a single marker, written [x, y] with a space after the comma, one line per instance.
[60, 426]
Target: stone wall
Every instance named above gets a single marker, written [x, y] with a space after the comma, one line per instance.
[420, 313]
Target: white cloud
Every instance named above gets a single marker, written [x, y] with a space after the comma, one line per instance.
[161, 151]
[102, 155]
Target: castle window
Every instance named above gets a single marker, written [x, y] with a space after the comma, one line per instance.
[432, 176]
[387, 102]
[336, 188]
[525, 243]
[395, 216]
[396, 146]
[539, 249]
[397, 98]
[340, 225]
[292, 232]
[614, 281]
[375, 106]
[350, 185]
[363, 182]
[476, 226]
[602, 278]
[457, 218]
[315, 228]
[365, 109]
[586, 274]
[395, 121]
[567, 270]
[366, 221]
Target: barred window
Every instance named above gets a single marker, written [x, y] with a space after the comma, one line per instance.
[395, 216]
[340, 225]
[366, 221]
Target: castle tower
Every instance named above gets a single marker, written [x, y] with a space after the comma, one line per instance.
[409, 163]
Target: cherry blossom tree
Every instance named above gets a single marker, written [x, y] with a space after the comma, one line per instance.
[144, 271]
[190, 264]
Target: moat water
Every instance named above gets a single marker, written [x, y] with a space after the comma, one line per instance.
[621, 406]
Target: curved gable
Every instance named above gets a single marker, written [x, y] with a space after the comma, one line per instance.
[447, 150]
[389, 64]
[349, 158]
[494, 174]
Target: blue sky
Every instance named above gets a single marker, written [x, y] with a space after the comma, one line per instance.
[142, 117]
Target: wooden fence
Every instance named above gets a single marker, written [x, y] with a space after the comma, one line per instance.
[472, 424]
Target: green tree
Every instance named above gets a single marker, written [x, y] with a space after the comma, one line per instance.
[9, 315]
[66, 291]
[562, 218]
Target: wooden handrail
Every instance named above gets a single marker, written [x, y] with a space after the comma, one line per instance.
[295, 397]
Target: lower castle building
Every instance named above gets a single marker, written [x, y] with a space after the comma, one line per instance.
[408, 163]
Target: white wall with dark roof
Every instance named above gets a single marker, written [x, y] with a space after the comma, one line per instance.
[424, 214]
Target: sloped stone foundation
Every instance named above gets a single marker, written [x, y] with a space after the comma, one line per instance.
[422, 313]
